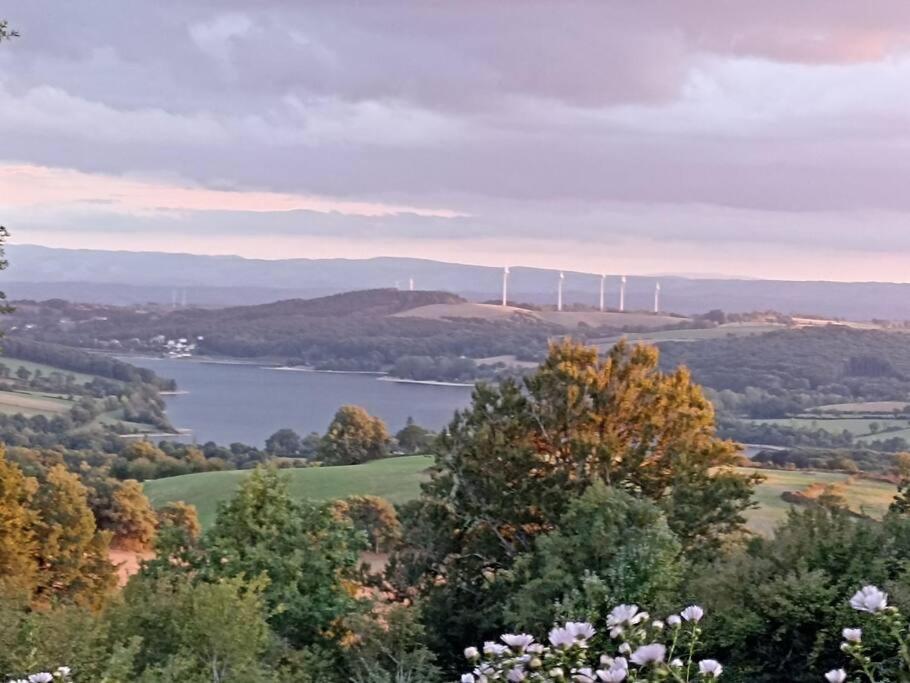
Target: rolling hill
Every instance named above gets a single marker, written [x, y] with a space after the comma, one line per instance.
[398, 480]
[140, 277]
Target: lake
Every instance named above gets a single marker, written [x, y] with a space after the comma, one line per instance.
[228, 402]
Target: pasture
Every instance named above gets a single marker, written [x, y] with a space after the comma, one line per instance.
[692, 335]
[31, 403]
[859, 427]
[863, 495]
[398, 480]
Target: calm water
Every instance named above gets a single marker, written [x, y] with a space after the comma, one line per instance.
[248, 403]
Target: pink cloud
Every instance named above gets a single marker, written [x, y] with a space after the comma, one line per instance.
[27, 185]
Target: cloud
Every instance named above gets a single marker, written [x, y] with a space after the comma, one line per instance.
[693, 123]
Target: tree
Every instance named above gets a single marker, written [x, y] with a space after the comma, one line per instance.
[132, 519]
[73, 563]
[190, 631]
[373, 516]
[609, 548]
[413, 438]
[778, 605]
[181, 516]
[508, 467]
[307, 555]
[354, 437]
[18, 542]
[284, 442]
[23, 374]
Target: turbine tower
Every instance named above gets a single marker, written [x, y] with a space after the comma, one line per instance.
[657, 297]
[622, 293]
[183, 300]
[602, 279]
[562, 278]
[410, 284]
[505, 286]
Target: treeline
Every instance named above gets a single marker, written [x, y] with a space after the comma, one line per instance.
[783, 373]
[75, 360]
[839, 459]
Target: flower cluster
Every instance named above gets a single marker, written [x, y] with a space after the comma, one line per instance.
[60, 675]
[871, 600]
[633, 647]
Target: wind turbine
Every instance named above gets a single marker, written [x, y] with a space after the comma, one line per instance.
[505, 286]
[410, 284]
[602, 279]
[657, 297]
[562, 278]
[622, 294]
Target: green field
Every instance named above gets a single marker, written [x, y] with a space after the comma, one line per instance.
[31, 403]
[398, 480]
[692, 335]
[14, 364]
[870, 497]
[858, 426]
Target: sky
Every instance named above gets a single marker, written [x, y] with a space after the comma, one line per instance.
[741, 139]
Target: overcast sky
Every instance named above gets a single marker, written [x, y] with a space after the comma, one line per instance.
[767, 139]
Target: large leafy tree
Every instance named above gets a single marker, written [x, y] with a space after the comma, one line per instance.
[308, 557]
[354, 437]
[508, 467]
[610, 548]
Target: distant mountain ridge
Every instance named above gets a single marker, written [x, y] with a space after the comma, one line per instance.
[88, 275]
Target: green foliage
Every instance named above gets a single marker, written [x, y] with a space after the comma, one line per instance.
[5, 34]
[285, 442]
[193, 631]
[778, 606]
[308, 557]
[391, 649]
[621, 540]
[412, 438]
[509, 467]
[374, 517]
[354, 437]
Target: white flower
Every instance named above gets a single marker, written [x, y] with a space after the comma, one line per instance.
[646, 654]
[710, 668]
[556, 672]
[676, 662]
[625, 648]
[491, 648]
[516, 675]
[584, 675]
[692, 613]
[617, 671]
[42, 677]
[616, 631]
[869, 599]
[852, 635]
[467, 678]
[674, 620]
[622, 614]
[561, 638]
[471, 653]
[63, 671]
[517, 642]
[658, 624]
[581, 630]
[613, 675]
[836, 676]
[535, 648]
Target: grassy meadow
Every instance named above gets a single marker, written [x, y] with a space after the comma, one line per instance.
[398, 480]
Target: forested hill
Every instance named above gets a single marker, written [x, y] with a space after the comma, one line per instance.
[782, 372]
[365, 302]
[352, 331]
